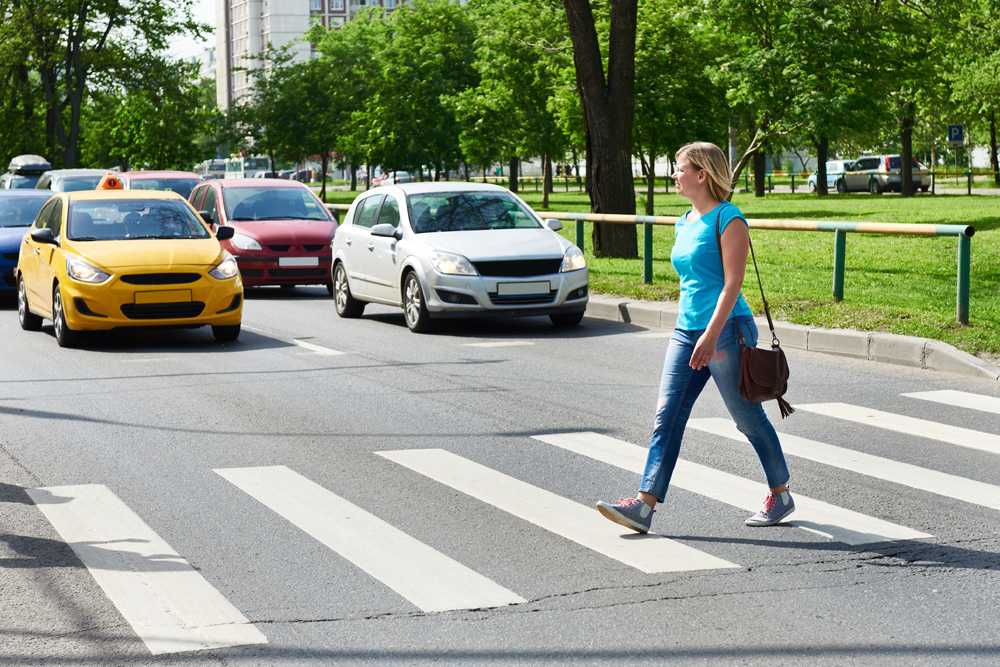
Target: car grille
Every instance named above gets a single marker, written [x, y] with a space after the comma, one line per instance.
[523, 299]
[297, 273]
[307, 248]
[162, 311]
[160, 278]
[519, 268]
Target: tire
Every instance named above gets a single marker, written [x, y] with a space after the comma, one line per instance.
[226, 333]
[566, 319]
[812, 187]
[346, 305]
[29, 321]
[925, 188]
[873, 187]
[841, 186]
[65, 336]
[329, 288]
[414, 307]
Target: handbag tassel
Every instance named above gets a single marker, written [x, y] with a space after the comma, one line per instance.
[785, 407]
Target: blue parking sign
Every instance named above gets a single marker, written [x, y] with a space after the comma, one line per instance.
[956, 135]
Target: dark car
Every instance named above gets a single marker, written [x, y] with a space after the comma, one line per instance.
[283, 230]
[18, 209]
[24, 172]
[70, 180]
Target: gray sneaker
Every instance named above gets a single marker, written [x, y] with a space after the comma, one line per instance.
[629, 512]
[777, 506]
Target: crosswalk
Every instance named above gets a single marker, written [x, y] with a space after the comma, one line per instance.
[173, 608]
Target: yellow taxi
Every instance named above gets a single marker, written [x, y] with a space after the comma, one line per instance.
[109, 258]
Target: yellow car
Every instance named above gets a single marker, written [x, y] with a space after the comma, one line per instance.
[103, 259]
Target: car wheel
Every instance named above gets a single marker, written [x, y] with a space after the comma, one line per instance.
[566, 319]
[874, 187]
[812, 187]
[29, 321]
[925, 188]
[841, 186]
[65, 336]
[329, 288]
[346, 305]
[226, 333]
[414, 308]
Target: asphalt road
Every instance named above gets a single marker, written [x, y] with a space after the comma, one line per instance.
[266, 468]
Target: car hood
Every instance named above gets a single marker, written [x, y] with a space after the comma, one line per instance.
[10, 237]
[498, 243]
[149, 253]
[287, 232]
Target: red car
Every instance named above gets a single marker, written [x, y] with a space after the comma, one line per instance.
[181, 182]
[283, 230]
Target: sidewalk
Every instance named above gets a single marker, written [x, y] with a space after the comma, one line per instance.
[883, 347]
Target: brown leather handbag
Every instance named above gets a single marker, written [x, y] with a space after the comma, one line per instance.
[763, 372]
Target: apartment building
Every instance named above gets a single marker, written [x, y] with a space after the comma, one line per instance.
[245, 27]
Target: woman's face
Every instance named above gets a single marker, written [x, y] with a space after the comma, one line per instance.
[687, 177]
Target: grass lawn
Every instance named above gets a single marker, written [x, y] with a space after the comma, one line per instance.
[898, 284]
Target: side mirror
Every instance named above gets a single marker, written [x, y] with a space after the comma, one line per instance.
[385, 229]
[225, 233]
[553, 224]
[43, 235]
[206, 216]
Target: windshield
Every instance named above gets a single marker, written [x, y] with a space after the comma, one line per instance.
[269, 203]
[20, 211]
[125, 219]
[77, 183]
[19, 182]
[467, 211]
[182, 186]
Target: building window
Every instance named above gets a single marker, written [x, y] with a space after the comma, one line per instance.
[315, 5]
[336, 5]
[389, 4]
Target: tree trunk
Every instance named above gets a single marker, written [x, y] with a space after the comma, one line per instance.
[650, 183]
[608, 104]
[994, 162]
[546, 179]
[325, 162]
[906, 154]
[822, 150]
[512, 186]
[759, 173]
[354, 177]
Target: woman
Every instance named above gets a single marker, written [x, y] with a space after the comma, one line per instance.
[705, 342]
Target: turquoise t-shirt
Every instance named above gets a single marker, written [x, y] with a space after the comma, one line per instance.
[697, 261]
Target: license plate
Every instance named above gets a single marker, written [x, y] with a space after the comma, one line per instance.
[298, 261]
[163, 296]
[522, 289]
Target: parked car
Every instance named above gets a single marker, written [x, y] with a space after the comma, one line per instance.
[181, 182]
[834, 173]
[70, 180]
[24, 172]
[455, 250]
[105, 259]
[282, 230]
[18, 209]
[880, 173]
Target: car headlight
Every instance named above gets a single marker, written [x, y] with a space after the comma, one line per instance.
[573, 260]
[77, 269]
[446, 262]
[244, 242]
[227, 268]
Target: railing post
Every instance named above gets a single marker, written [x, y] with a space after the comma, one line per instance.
[579, 234]
[793, 181]
[962, 301]
[970, 181]
[933, 178]
[647, 252]
[839, 243]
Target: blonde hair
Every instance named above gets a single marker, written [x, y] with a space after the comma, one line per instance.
[708, 156]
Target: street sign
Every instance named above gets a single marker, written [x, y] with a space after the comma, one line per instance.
[956, 136]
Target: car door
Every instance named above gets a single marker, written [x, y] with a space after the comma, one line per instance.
[381, 267]
[36, 262]
[857, 181]
[355, 238]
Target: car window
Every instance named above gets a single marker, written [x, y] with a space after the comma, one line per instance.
[866, 163]
[834, 167]
[270, 203]
[122, 219]
[46, 214]
[20, 211]
[181, 186]
[197, 195]
[210, 205]
[364, 216]
[389, 213]
[467, 211]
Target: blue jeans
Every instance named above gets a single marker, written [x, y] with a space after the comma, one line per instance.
[680, 387]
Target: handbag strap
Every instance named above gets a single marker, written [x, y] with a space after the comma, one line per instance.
[767, 310]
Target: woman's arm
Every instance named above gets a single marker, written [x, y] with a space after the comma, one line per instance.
[735, 248]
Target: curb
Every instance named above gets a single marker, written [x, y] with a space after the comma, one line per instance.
[873, 346]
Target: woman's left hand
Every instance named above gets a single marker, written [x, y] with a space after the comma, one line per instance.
[704, 350]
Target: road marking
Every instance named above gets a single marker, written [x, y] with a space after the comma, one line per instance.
[838, 523]
[170, 605]
[923, 479]
[318, 349]
[500, 343]
[422, 575]
[955, 435]
[962, 399]
[576, 522]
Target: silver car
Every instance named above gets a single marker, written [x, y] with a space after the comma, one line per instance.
[452, 250]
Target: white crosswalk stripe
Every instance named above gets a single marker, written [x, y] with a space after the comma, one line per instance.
[955, 435]
[166, 601]
[422, 575]
[932, 481]
[580, 523]
[318, 349]
[501, 343]
[814, 515]
[961, 399]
